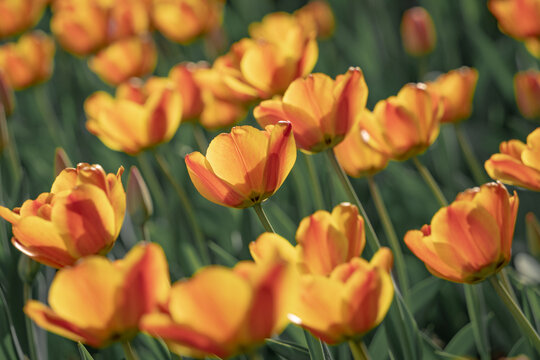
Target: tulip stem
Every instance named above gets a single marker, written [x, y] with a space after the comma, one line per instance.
[153, 183]
[263, 218]
[477, 172]
[27, 295]
[516, 312]
[506, 282]
[47, 114]
[128, 350]
[199, 237]
[435, 189]
[11, 149]
[478, 326]
[200, 138]
[392, 237]
[315, 184]
[359, 350]
[373, 240]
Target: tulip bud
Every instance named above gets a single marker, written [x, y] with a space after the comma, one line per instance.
[527, 91]
[61, 161]
[418, 32]
[7, 100]
[139, 201]
[533, 234]
[4, 136]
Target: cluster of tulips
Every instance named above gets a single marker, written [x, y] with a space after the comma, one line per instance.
[321, 284]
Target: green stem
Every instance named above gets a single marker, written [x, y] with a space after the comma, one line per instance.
[359, 350]
[128, 350]
[392, 237]
[516, 312]
[27, 295]
[199, 237]
[11, 149]
[426, 175]
[200, 137]
[506, 283]
[145, 233]
[478, 326]
[315, 184]
[373, 240]
[49, 117]
[153, 183]
[478, 174]
[263, 218]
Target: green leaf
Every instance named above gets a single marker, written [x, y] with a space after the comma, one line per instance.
[85, 355]
[288, 350]
[222, 255]
[318, 350]
[462, 342]
[379, 344]
[423, 293]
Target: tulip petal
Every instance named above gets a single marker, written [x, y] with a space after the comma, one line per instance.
[350, 92]
[512, 171]
[66, 180]
[281, 156]
[531, 155]
[269, 112]
[346, 218]
[9, 215]
[164, 114]
[270, 247]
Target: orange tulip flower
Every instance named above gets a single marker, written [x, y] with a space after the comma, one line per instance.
[198, 17]
[350, 302]
[418, 32]
[19, 15]
[527, 91]
[183, 76]
[517, 18]
[29, 61]
[470, 239]
[321, 110]
[98, 301]
[318, 16]
[82, 215]
[123, 59]
[517, 163]
[140, 117]
[405, 125]
[223, 312]
[271, 247]
[455, 90]
[244, 167]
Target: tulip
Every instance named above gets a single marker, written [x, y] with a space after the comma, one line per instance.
[98, 301]
[517, 18]
[29, 61]
[222, 312]
[19, 15]
[197, 17]
[270, 246]
[527, 91]
[470, 239]
[318, 16]
[533, 46]
[455, 90]
[183, 76]
[7, 98]
[418, 32]
[244, 167]
[347, 304]
[517, 163]
[140, 117]
[405, 125]
[321, 110]
[82, 215]
[123, 59]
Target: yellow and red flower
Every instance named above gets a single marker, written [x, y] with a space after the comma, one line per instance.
[517, 18]
[19, 15]
[183, 76]
[527, 91]
[82, 215]
[418, 32]
[317, 16]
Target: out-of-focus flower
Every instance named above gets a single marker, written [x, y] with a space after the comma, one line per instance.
[533, 46]
[245, 166]
[98, 301]
[7, 98]
[318, 16]
[517, 18]
[527, 91]
[321, 110]
[356, 157]
[405, 125]
[418, 32]
[354, 299]
[85, 26]
[80, 216]
[141, 116]
[517, 163]
[222, 312]
[470, 239]
[19, 15]
[29, 61]
[196, 18]
[124, 59]
[455, 90]
[183, 76]
[271, 247]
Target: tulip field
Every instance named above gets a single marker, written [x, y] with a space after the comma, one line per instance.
[270, 179]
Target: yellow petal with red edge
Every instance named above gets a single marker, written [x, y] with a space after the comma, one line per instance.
[66, 180]
[269, 112]
[271, 247]
[9, 215]
[117, 197]
[164, 115]
[91, 175]
[383, 259]
[210, 186]
[98, 102]
[346, 218]
[219, 113]
[85, 218]
[350, 92]
[309, 57]
[512, 171]
[401, 128]
[281, 155]
[531, 154]
[514, 148]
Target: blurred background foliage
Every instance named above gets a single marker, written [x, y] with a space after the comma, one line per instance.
[367, 35]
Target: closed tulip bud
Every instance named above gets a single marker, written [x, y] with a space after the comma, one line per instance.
[197, 18]
[7, 98]
[245, 166]
[139, 201]
[98, 301]
[140, 117]
[222, 312]
[183, 76]
[317, 16]
[19, 15]
[29, 61]
[527, 91]
[418, 32]
[124, 59]
[517, 18]
[347, 304]
[321, 110]
[455, 91]
[517, 163]
[61, 161]
[471, 239]
[405, 125]
[82, 215]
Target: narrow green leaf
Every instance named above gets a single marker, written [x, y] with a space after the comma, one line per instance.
[462, 342]
[423, 293]
[85, 355]
[226, 258]
[318, 350]
[288, 350]
[379, 344]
